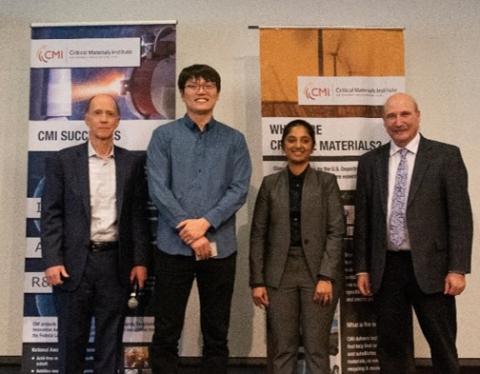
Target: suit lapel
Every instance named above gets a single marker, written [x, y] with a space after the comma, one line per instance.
[382, 174]
[421, 164]
[282, 199]
[311, 188]
[283, 187]
[120, 166]
[83, 179]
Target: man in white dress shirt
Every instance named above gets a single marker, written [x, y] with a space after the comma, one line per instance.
[413, 239]
[94, 239]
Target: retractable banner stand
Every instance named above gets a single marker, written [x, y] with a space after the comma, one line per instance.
[135, 62]
[338, 80]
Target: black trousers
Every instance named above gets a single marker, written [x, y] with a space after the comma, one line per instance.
[100, 296]
[436, 314]
[174, 279]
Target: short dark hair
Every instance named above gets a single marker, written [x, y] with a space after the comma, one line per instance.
[87, 106]
[198, 71]
[298, 122]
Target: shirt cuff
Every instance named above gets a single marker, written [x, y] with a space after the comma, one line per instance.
[321, 277]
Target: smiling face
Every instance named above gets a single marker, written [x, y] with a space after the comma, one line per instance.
[298, 145]
[102, 118]
[200, 96]
[401, 118]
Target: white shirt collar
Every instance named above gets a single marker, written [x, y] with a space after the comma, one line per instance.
[412, 147]
[92, 152]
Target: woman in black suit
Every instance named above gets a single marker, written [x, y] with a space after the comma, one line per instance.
[296, 255]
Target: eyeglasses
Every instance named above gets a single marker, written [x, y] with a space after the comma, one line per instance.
[209, 86]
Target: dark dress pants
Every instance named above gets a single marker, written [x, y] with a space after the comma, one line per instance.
[174, 279]
[436, 314]
[100, 296]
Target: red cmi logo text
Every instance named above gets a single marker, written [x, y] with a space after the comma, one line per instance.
[312, 93]
[45, 55]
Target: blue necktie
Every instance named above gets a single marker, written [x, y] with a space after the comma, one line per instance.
[398, 219]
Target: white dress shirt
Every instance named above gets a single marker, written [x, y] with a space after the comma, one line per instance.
[103, 198]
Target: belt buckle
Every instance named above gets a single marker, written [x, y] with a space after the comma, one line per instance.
[96, 247]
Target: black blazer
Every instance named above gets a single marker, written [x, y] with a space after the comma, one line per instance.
[323, 228]
[65, 213]
[439, 215]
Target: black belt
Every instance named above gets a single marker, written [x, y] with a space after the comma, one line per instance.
[400, 252]
[103, 246]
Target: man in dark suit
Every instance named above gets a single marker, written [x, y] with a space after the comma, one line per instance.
[94, 239]
[413, 238]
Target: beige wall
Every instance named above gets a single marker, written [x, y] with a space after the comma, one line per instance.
[442, 69]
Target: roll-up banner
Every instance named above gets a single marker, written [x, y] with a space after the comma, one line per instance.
[134, 62]
[337, 79]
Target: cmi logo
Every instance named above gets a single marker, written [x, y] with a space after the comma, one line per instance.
[45, 55]
[312, 93]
